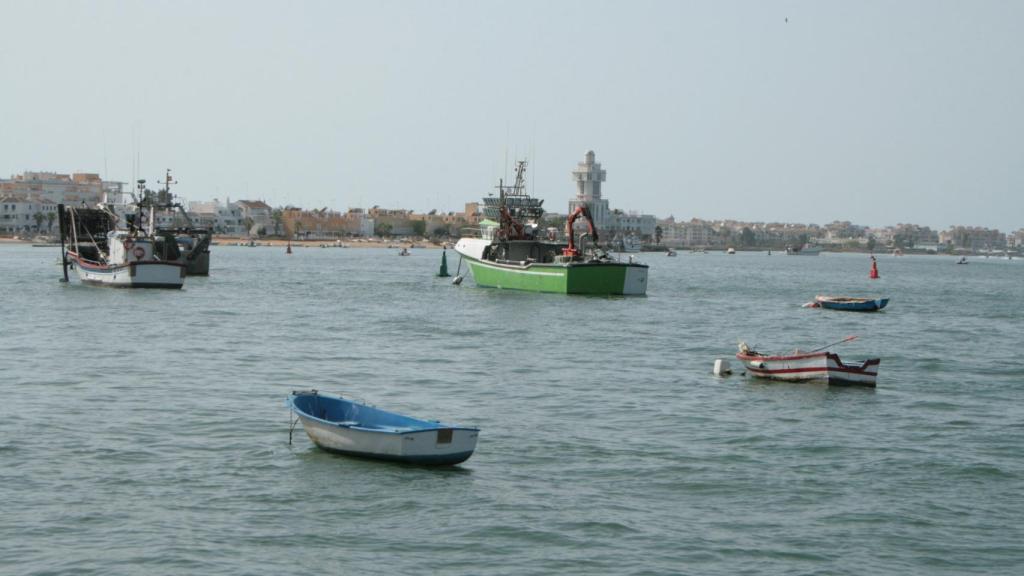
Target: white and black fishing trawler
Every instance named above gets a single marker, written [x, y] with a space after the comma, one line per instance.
[104, 253]
[193, 241]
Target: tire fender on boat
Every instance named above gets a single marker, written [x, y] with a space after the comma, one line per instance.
[139, 252]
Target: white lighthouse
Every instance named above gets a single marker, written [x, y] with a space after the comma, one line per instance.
[588, 176]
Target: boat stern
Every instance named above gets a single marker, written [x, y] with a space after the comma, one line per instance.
[635, 283]
[439, 447]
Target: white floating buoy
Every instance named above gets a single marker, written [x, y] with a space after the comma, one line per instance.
[722, 367]
[457, 280]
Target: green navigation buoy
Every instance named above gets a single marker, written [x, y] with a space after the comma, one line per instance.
[443, 273]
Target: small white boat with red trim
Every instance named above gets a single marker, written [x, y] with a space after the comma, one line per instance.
[816, 365]
[104, 256]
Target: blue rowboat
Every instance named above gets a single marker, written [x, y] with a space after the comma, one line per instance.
[851, 304]
[344, 426]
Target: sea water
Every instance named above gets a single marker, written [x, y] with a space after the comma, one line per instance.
[145, 431]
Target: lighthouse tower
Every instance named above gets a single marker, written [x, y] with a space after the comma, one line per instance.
[588, 176]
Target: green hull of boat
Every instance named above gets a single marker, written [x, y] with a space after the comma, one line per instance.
[576, 278]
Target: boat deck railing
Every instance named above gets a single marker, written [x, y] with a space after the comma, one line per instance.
[89, 261]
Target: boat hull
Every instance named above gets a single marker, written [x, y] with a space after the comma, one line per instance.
[815, 251]
[852, 304]
[144, 274]
[582, 278]
[392, 437]
[817, 366]
[199, 266]
[595, 278]
[409, 447]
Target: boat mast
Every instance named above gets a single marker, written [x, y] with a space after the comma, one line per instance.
[168, 182]
[518, 189]
[167, 202]
[140, 202]
[63, 231]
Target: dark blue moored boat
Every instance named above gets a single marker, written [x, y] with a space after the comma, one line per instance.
[851, 304]
[347, 427]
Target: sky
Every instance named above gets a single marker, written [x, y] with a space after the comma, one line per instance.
[876, 112]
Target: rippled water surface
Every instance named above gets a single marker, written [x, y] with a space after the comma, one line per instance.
[145, 432]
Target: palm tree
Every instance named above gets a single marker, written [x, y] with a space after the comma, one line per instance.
[38, 216]
[278, 217]
[50, 217]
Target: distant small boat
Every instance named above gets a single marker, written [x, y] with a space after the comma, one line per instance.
[805, 250]
[670, 253]
[730, 251]
[404, 252]
[344, 426]
[962, 260]
[627, 244]
[851, 304]
[809, 366]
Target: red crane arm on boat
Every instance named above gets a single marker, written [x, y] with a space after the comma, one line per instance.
[580, 210]
[508, 221]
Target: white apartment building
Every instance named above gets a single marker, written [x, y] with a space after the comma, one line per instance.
[258, 215]
[220, 218]
[75, 188]
[18, 215]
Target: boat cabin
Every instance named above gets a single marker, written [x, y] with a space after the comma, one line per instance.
[524, 251]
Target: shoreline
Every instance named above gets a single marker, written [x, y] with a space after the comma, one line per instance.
[349, 243]
[277, 242]
[430, 244]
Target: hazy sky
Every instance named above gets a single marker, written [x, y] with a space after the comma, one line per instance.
[875, 112]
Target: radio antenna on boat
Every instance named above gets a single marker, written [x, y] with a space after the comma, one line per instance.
[168, 181]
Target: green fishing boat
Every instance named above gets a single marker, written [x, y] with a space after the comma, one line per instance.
[510, 251]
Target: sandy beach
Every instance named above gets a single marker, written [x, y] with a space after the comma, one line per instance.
[240, 241]
[347, 243]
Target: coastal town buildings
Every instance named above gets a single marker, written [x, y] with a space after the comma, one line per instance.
[1015, 239]
[324, 223]
[973, 238]
[75, 188]
[21, 215]
[29, 201]
[697, 233]
[257, 216]
[844, 231]
[221, 218]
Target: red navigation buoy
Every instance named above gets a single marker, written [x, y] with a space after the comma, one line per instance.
[874, 269]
